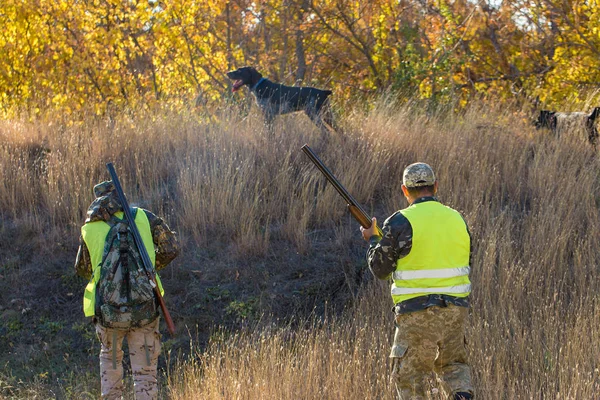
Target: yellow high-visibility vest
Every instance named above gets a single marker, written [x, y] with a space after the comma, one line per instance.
[438, 262]
[94, 235]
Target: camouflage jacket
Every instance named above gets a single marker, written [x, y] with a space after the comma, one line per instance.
[396, 243]
[165, 242]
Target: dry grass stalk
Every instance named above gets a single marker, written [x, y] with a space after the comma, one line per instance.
[532, 203]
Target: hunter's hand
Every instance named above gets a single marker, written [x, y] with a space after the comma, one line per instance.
[367, 233]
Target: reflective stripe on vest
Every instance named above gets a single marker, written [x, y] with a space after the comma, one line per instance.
[446, 290]
[438, 262]
[431, 273]
[94, 235]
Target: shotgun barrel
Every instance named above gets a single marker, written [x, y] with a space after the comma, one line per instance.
[357, 211]
[148, 267]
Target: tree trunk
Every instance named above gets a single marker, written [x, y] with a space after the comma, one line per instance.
[229, 55]
[284, 29]
[300, 52]
[300, 56]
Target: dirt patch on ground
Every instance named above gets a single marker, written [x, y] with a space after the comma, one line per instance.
[44, 336]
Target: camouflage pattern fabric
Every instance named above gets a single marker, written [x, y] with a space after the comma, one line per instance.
[83, 262]
[104, 188]
[396, 243]
[144, 348]
[165, 242]
[106, 203]
[102, 209]
[417, 175]
[124, 295]
[429, 347]
[144, 341]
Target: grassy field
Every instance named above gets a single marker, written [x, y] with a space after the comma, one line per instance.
[256, 218]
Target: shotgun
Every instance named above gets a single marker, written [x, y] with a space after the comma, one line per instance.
[354, 207]
[148, 267]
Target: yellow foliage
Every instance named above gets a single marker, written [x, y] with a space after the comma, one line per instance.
[67, 54]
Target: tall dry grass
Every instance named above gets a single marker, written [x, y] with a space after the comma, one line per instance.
[531, 202]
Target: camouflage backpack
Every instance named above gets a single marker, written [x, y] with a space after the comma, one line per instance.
[124, 296]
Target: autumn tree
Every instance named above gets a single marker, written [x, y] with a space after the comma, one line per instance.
[87, 55]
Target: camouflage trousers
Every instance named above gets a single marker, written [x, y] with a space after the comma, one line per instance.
[428, 347]
[144, 348]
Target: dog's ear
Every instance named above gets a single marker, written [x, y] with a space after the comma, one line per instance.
[547, 114]
[539, 122]
[545, 119]
[552, 120]
[594, 114]
[543, 115]
[255, 75]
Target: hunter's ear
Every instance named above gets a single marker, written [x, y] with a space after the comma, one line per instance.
[404, 190]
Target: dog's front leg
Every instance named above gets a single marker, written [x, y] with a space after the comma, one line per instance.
[327, 116]
[316, 118]
[269, 120]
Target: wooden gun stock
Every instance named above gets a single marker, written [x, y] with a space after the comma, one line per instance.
[148, 267]
[163, 307]
[354, 207]
[358, 216]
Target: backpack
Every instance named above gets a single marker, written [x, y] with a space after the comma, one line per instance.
[124, 296]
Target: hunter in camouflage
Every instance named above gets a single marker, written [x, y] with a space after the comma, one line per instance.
[102, 208]
[144, 337]
[426, 346]
[124, 295]
[144, 348]
[430, 306]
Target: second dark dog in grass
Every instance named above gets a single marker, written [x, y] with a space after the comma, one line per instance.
[275, 99]
[560, 122]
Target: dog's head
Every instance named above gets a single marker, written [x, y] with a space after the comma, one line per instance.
[546, 119]
[244, 76]
[594, 114]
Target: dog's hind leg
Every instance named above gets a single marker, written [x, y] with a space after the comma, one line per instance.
[327, 116]
[593, 137]
[270, 122]
[316, 118]
[323, 108]
[591, 129]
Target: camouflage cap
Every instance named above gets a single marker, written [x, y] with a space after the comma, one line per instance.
[105, 204]
[418, 174]
[103, 188]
